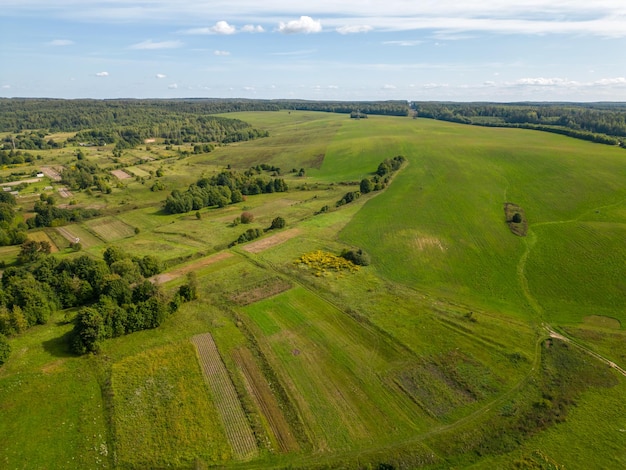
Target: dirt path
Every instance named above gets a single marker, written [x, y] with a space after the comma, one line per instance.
[555, 335]
[176, 273]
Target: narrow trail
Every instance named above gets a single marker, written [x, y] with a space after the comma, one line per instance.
[530, 242]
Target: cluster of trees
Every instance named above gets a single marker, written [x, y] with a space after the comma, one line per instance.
[15, 157]
[375, 183]
[127, 123]
[35, 140]
[115, 295]
[248, 235]
[84, 175]
[11, 233]
[48, 215]
[597, 122]
[227, 187]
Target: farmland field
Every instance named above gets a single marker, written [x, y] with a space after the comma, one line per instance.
[435, 354]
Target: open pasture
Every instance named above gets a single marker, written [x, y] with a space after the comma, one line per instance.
[162, 411]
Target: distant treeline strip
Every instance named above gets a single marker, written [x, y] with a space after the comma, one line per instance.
[597, 122]
[19, 114]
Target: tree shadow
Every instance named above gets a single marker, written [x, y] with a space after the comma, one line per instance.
[59, 346]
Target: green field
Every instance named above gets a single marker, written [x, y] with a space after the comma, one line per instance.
[436, 355]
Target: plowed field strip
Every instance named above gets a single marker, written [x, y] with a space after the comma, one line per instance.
[176, 273]
[265, 243]
[235, 422]
[265, 400]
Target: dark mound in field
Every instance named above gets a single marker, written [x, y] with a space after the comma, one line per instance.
[516, 219]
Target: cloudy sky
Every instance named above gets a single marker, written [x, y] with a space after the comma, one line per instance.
[492, 50]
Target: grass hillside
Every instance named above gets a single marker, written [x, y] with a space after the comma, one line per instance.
[435, 355]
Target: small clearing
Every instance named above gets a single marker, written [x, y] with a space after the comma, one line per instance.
[265, 243]
[121, 174]
[176, 273]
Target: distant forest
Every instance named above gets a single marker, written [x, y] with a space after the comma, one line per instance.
[598, 122]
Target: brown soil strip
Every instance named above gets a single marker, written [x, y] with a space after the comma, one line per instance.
[265, 243]
[265, 400]
[65, 193]
[66, 234]
[176, 273]
[268, 289]
[121, 175]
[51, 173]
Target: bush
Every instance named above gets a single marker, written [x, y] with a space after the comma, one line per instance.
[5, 349]
[246, 217]
[358, 257]
[278, 223]
[517, 218]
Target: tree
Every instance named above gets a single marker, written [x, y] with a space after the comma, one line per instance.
[366, 185]
[278, 223]
[517, 218]
[247, 217]
[5, 349]
[88, 331]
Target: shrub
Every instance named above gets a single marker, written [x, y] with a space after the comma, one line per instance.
[278, 223]
[5, 349]
[247, 217]
[517, 218]
[358, 257]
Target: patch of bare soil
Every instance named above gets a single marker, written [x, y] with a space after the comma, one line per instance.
[268, 289]
[176, 273]
[121, 174]
[52, 173]
[65, 193]
[516, 219]
[265, 243]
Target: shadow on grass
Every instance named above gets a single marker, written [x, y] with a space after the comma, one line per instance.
[59, 346]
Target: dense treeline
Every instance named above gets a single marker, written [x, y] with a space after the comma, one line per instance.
[124, 122]
[48, 215]
[597, 122]
[114, 293]
[389, 108]
[227, 187]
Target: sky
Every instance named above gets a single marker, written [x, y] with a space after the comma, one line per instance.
[474, 50]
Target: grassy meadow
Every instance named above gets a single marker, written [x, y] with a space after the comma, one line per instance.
[433, 356]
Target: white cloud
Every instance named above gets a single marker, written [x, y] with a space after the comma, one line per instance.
[403, 43]
[160, 75]
[352, 29]
[222, 27]
[611, 81]
[173, 86]
[150, 45]
[389, 87]
[60, 43]
[221, 53]
[248, 88]
[489, 83]
[544, 82]
[102, 74]
[305, 24]
[250, 28]
[6, 87]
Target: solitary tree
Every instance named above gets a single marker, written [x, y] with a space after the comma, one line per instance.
[517, 218]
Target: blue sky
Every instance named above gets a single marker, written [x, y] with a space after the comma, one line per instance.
[488, 50]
